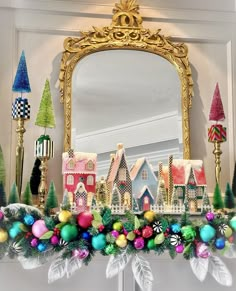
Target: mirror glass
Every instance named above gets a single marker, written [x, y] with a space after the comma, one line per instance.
[130, 97]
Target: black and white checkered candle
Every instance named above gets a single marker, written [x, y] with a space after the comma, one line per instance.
[43, 147]
[20, 109]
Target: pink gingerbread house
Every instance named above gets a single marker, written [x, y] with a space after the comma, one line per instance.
[79, 172]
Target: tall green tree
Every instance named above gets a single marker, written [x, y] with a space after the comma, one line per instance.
[51, 201]
[35, 177]
[2, 168]
[217, 198]
[229, 197]
[234, 181]
[3, 197]
[27, 195]
[14, 195]
[45, 117]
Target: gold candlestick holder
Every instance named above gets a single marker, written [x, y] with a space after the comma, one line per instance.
[217, 153]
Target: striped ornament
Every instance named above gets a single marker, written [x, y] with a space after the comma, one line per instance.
[222, 228]
[62, 243]
[175, 240]
[157, 226]
[16, 248]
[43, 148]
[217, 133]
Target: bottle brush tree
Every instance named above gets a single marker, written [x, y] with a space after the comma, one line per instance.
[229, 197]
[3, 198]
[2, 168]
[14, 195]
[217, 198]
[51, 201]
[27, 196]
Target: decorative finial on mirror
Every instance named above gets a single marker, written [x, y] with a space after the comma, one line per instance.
[217, 133]
[126, 13]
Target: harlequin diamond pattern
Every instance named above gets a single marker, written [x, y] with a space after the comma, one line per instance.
[21, 109]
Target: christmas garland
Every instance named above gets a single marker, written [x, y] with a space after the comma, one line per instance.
[35, 239]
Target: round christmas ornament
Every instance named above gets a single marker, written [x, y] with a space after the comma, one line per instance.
[151, 244]
[110, 250]
[202, 250]
[207, 233]
[121, 241]
[179, 249]
[233, 223]
[99, 241]
[175, 228]
[175, 240]
[1, 215]
[115, 233]
[85, 219]
[15, 229]
[34, 242]
[139, 243]
[64, 215]
[222, 228]
[131, 236]
[80, 253]
[117, 226]
[149, 215]
[54, 240]
[231, 239]
[3, 235]
[69, 232]
[147, 231]
[29, 219]
[228, 232]
[220, 243]
[62, 243]
[210, 216]
[157, 226]
[188, 233]
[16, 248]
[86, 235]
[41, 247]
[39, 228]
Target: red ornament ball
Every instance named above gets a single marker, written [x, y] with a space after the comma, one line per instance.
[147, 231]
[231, 239]
[85, 219]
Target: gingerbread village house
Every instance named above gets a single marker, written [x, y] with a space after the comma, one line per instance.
[79, 177]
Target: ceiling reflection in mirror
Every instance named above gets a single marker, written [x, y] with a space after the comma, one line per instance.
[126, 96]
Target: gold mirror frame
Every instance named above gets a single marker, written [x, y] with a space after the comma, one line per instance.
[125, 32]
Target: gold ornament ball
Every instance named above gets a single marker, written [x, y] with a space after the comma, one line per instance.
[149, 215]
[121, 241]
[117, 226]
[228, 232]
[3, 235]
[64, 216]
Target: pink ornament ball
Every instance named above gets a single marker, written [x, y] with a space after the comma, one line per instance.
[85, 219]
[80, 254]
[34, 242]
[54, 240]
[139, 243]
[179, 249]
[1, 215]
[202, 250]
[210, 216]
[39, 228]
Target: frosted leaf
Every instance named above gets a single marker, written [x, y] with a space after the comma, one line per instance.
[57, 269]
[219, 271]
[142, 273]
[29, 263]
[73, 264]
[116, 264]
[199, 267]
[230, 252]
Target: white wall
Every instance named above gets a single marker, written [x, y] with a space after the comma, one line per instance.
[40, 27]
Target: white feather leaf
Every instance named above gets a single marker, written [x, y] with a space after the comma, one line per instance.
[116, 264]
[199, 267]
[29, 263]
[73, 265]
[219, 271]
[230, 252]
[57, 269]
[142, 273]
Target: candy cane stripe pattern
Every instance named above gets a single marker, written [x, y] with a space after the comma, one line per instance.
[217, 133]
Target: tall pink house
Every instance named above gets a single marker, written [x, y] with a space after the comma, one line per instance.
[79, 177]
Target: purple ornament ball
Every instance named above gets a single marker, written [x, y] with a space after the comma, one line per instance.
[54, 240]
[115, 233]
[34, 242]
[1, 215]
[80, 253]
[179, 249]
[210, 216]
[139, 243]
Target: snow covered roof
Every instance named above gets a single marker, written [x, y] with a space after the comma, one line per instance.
[137, 167]
[116, 164]
[145, 188]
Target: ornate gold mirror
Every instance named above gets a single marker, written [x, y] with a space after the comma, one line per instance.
[140, 78]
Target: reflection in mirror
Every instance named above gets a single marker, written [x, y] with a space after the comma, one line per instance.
[127, 96]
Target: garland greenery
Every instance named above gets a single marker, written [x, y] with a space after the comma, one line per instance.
[27, 234]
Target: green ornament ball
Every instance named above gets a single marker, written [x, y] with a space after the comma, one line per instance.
[233, 223]
[69, 232]
[110, 249]
[207, 233]
[228, 232]
[99, 241]
[188, 233]
[151, 244]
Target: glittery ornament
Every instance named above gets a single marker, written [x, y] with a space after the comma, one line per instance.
[188, 233]
[220, 243]
[202, 250]
[29, 219]
[175, 228]
[34, 242]
[157, 227]
[210, 216]
[110, 249]
[80, 253]
[147, 231]
[139, 243]
[179, 249]
[175, 240]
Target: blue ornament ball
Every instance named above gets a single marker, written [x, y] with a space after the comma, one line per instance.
[207, 233]
[175, 228]
[86, 235]
[220, 243]
[28, 219]
[42, 247]
[15, 229]
[99, 241]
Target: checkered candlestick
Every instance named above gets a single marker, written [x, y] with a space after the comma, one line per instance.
[20, 113]
[44, 151]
